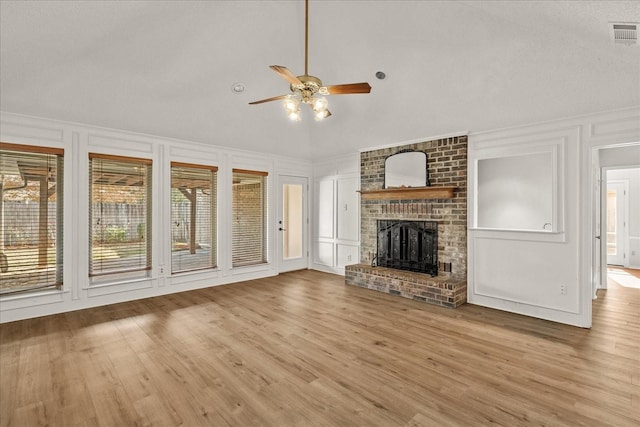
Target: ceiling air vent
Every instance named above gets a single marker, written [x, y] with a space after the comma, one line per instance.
[624, 32]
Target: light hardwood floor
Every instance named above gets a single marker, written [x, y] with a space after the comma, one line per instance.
[304, 349]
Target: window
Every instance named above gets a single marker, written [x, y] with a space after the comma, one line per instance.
[249, 229]
[193, 217]
[120, 215]
[31, 213]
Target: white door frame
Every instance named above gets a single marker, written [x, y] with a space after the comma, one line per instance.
[602, 232]
[622, 216]
[303, 261]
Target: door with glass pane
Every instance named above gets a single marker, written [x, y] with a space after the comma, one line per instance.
[292, 226]
[615, 223]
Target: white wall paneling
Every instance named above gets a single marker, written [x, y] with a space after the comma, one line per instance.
[347, 254]
[323, 254]
[537, 273]
[78, 140]
[336, 214]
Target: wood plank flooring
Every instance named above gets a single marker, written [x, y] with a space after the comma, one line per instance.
[304, 349]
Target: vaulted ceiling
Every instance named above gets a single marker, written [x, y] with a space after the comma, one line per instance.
[167, 67]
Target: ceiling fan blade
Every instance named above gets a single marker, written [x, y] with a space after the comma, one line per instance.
[275, 98]
[285, 74]
[349, 88]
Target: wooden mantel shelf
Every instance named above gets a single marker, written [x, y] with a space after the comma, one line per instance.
[408, 193]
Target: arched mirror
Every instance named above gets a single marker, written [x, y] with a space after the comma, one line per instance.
[406, 169]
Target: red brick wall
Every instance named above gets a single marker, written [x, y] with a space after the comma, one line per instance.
[447, 166]
[248, 226]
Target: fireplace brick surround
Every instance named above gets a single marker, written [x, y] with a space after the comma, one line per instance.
[447, 167]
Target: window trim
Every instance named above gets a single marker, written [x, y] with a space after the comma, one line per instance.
[31, 148]
[194, 166]
[250, 172]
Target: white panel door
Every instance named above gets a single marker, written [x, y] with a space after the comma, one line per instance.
[324, 208]
[616, 225]
[348, 209]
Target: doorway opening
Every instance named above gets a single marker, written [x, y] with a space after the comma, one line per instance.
[618, 221]
[625, 277]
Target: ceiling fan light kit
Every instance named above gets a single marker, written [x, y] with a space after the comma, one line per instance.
[307, 89]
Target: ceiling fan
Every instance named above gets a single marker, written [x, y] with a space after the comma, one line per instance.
[306, 88]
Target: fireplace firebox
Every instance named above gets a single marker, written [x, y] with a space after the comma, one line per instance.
[408, 245]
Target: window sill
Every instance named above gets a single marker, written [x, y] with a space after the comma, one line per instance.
[517, 234]
[515, 230]
[215, 270]
[32, 299]
[116, 282]
[30, 295]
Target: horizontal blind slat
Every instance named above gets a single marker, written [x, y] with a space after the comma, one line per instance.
[120, 221]
[249, 215]
[193, 217]
[32, 217]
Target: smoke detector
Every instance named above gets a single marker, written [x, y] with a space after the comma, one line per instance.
[624, 32]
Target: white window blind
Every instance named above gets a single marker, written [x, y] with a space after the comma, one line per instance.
[249, 223]
[31, 217]
[120, 214]
[193, 217]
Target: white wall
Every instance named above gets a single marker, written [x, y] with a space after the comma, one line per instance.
[632, 176]
[78, 140]
[537, 273]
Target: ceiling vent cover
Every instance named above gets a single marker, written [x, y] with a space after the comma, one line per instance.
[624, 32]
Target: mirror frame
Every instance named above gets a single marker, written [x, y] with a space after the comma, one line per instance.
[426, 169]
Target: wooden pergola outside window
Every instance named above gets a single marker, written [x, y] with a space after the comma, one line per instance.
[119, 215]
[193, 217]
[31, 217]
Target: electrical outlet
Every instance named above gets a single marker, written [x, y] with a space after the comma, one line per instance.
[563, 289]
[162, 269]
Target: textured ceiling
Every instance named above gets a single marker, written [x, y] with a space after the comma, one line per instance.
[166, 67]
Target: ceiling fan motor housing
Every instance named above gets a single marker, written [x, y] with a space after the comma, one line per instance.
[309, 87]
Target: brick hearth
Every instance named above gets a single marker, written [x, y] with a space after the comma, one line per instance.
[447, 166]
[441, 290]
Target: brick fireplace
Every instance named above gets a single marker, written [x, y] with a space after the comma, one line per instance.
[447, 167]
